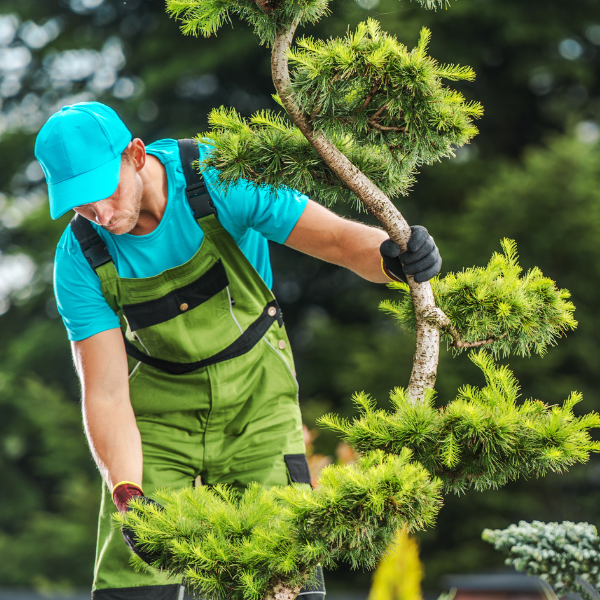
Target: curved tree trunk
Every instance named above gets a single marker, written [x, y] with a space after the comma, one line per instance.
[378, 204]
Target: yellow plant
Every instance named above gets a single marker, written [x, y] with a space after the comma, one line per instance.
[399, 574]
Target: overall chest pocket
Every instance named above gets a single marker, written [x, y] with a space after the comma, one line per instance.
[189, 323]
[150, 313]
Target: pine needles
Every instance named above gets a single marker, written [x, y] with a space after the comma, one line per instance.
[267, 150]
[480, 440]
[232, 546]
[370, 86]
[384, 107]
[517, 314]
[206, 17]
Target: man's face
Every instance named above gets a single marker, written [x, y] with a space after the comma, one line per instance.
[120, 212]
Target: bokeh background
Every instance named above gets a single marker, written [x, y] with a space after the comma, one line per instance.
[533, 174]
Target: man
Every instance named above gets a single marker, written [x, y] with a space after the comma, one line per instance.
[163, 282]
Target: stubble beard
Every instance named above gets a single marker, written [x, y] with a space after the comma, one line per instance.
[129, 220]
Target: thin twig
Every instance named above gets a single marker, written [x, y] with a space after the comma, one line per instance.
[374, 121]
[254, 173]
[378, 114]
[384, 128]
[371, 94]
[459, 343]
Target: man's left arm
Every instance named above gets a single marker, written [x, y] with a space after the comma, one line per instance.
[325, 235]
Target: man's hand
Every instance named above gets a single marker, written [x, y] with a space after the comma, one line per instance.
[123, 493]
[421, 259]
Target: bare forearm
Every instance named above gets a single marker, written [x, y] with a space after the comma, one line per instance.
[359, 246]
[323, 234]
[108, 417]
[114, 439]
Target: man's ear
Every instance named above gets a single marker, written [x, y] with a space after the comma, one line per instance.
[137, 153]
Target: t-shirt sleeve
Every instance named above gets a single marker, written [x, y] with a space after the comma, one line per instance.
[79, 297]
[273, 213]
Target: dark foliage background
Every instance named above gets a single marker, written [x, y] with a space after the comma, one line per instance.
[533, 174]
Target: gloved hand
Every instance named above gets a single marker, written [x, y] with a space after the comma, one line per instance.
[122, 494]
[421, 259]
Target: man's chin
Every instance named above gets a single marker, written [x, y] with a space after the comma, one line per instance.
[120, 227]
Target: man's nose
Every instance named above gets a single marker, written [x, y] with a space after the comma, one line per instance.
[104, 212]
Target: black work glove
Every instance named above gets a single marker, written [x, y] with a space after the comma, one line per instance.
[131, 539]
[421, 259]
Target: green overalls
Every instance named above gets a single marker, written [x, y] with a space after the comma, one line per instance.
[211, 379]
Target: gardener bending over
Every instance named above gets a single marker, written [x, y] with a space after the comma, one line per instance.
[164, 285]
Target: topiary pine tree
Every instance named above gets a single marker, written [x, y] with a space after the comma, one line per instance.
[566, 555]
[361, 114]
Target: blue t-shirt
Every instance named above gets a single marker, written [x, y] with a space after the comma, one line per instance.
[252, 215]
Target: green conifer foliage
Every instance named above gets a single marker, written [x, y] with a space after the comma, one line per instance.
[480, 440]
[496, 305]
[372, 87]
[267, 149]
[382, 105]
[239, 546]
[206, 17]
[566, 555]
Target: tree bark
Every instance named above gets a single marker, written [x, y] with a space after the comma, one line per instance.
[378, 204]
[280, 592]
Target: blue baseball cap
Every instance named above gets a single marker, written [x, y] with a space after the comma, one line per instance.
[79, 149]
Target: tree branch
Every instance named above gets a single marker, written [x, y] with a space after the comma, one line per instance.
[378, 114]
[371, 94]
[437, 318]
[374, 121]
[384, 128]
[254, 173]
[426, 357]
[458, 343]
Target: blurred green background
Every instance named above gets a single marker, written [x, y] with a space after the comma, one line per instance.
[533, 174]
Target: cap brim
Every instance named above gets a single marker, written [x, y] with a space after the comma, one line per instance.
[85, 188]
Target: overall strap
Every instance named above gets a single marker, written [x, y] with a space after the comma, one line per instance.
[195, 190]
[93, 246]
[244, 343]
